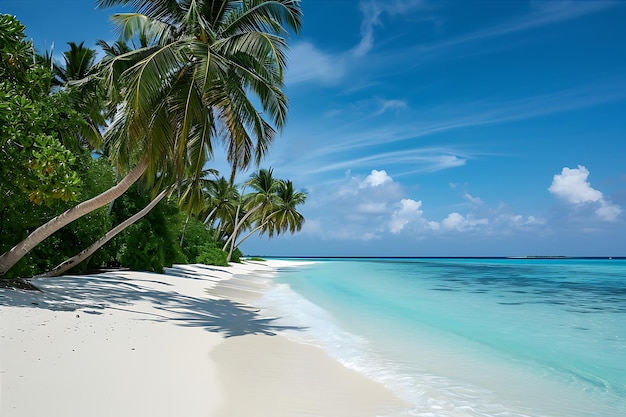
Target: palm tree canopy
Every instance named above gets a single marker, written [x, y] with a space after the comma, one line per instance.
[286, 216]
[264, 194]
[77, 63]
[280, 213]
[221, 201]
[76, 71]
[198, 78]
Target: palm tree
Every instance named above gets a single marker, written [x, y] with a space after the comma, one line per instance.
[118, 47]
[221, 202]
[78, 63]
[284, 216]
[191, 196]
[260, 202]
[207, 63]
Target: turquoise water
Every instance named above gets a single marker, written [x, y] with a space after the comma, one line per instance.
[470, 337]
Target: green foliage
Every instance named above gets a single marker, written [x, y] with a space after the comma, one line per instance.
[255, 258]
[38, 130]
[143, 249]
[236, 256]
[46, 137]
[201, 246]
[151, 243]
[212, 254]
[19, 216]
[14, 51]
[195, 236]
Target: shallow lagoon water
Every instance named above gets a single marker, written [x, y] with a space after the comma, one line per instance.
[470, 337]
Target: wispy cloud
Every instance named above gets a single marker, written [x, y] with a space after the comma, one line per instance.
[372, 10]
[392, 104]
[546, 13]
[309, 64]
[427, 159]
[472, 114]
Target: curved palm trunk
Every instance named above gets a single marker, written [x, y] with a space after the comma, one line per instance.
[75, 260]
[233, 237]
[231, 250]
[235, 223]
[210, 214]
[238, 225]
[182, 237]
[11, 257]
[256, 229]
[118, 179]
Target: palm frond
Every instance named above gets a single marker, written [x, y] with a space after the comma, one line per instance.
[140, 26]
[264, 16]
[146, 79]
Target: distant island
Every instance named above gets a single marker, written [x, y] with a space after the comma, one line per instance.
[539, 257]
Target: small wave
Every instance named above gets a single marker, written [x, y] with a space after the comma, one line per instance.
[430, 395]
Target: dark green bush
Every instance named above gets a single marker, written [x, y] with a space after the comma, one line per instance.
[151, 243]
[236, 256]
[212, 254]
[20, 217]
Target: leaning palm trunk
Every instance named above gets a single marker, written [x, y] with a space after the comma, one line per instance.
[256, 229]
[75, 260]
[182, 237]
[238, 225]
[233, 237]
[231, 250]
[11, 257]
[210, 215]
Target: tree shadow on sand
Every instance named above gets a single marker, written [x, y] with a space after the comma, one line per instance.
[94, 294]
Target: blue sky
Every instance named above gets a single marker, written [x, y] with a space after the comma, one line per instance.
[439, 128]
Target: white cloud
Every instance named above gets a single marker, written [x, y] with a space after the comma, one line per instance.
[376, 178]
[458, 222]
[375, 206]
[420, 160]
[472, 199]
[369, 236]
[372, 207]
[408, 210]
[372, 10]
[307, 63]
[508, 221]
[572, 186]
[392, 104]
[608, 211]
[313, 227]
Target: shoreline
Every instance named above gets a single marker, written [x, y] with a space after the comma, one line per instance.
[188, 342]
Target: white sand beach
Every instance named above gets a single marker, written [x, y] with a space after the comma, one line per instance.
[189, 342]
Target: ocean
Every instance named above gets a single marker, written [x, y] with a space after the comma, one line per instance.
[469, 337]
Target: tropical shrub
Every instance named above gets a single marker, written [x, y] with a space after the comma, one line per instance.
[212, 254]
[151, 243]
[19, 215]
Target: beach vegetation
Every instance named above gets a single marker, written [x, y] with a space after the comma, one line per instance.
[270, 208]
[196, 75]
[45, 167]
[36, 128]
[150, 243]
[194, 82]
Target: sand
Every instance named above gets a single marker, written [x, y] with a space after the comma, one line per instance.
[189, 342]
